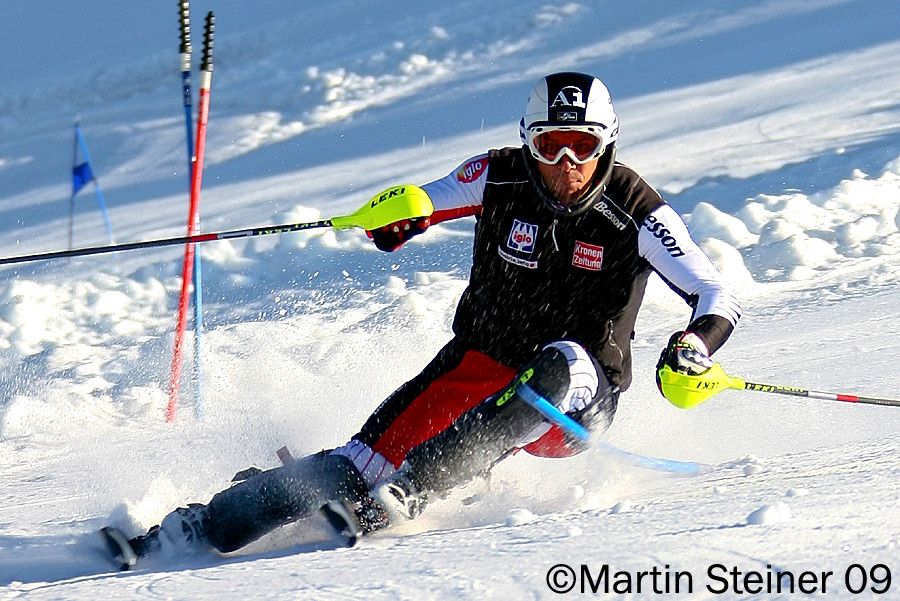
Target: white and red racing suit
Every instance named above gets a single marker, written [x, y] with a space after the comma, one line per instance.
[538, 277]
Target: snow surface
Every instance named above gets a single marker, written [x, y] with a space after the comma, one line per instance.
[774, 127]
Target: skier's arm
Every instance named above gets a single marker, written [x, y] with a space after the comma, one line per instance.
[458, 194]
[663, 239]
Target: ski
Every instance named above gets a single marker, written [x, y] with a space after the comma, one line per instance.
[341, 518]
[121, 552]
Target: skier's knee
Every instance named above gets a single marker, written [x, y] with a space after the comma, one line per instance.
[588, 398]
[583, 376]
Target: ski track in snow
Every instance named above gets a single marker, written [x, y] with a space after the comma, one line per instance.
[773, 127]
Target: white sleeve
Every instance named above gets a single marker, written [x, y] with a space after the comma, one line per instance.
[460, 192]
[664, 240]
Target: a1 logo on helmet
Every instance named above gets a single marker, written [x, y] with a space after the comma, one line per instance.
[562, 100]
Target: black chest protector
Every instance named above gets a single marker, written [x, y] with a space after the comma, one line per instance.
[538, 276]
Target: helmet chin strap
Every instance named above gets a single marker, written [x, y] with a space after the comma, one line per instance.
[587, 201]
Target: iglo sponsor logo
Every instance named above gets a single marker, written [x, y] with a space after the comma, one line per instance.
[472, 170]
[522, 237]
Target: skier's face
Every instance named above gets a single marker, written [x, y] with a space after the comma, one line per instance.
[566, 179]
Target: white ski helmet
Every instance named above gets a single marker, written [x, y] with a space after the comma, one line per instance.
[570, 102]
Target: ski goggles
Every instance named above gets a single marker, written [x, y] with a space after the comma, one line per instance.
[581, 145]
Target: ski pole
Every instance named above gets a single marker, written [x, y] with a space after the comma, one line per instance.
[396, 204]
[686, 391]
[816, 394]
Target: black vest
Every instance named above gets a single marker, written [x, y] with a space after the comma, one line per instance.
[539, 277]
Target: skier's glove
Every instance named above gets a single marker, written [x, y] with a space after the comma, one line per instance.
[686, 353]
[391, 237]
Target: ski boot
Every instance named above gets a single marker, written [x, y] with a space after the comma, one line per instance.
[399, 497]
[393, 501]
[181, 532]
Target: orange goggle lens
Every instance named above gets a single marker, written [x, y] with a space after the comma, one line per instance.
[551, 144]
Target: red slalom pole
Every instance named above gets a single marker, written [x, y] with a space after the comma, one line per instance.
[206, 68]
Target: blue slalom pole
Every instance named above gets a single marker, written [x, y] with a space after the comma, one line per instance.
[87, 157]
[187, 94]
[552, 414]
[689, 468]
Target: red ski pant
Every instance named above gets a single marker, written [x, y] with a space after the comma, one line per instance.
[456, 380]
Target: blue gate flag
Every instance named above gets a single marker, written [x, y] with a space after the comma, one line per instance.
[82, 175]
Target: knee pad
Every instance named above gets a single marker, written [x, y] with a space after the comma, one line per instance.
[583, 377]
[588, 398]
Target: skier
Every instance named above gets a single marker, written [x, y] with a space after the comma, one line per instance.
[565, 240]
